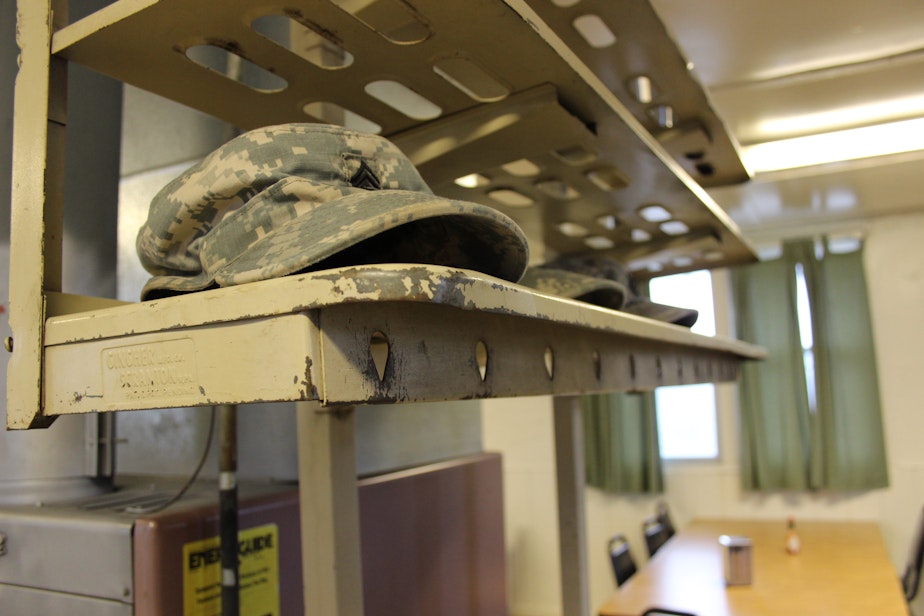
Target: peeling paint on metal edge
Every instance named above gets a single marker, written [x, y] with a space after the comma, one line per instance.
[411, 283]
[307, 387]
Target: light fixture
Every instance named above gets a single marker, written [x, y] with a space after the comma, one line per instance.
[836, 146]
[876, 112]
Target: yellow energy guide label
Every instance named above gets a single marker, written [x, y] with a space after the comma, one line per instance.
[258, 549]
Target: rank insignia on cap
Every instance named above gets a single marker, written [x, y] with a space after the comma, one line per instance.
[364, 178]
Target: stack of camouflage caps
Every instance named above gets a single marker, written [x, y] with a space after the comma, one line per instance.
[302, 197]
[602, 281]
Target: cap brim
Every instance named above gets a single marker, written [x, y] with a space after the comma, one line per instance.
[165, 286]
[562, 283]
[662, 312]
[603, 292]
[365, 227]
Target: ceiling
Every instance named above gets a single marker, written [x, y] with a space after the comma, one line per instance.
[787, 68]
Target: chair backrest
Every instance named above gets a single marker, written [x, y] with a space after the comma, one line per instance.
[664, 517]
[663, 611]
[911, 577]
[621, 557]
[655, 537]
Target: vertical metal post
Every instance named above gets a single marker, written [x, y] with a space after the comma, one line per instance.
[569, 460]
[40, 110]
[228, 518]
[331, 559]
[101, 441]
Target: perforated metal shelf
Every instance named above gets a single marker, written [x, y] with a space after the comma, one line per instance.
[511, 91]
[483, 86]
[379, 334]
[488, 87]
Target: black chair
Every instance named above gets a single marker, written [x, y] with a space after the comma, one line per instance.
[621, 557]
[664, 517]
[663, 611]
[655, 536]
[911, 577]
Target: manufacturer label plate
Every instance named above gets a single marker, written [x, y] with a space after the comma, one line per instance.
[157, 370]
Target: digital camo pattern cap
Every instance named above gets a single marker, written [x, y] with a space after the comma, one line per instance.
[296, 197]
[590, 289]
[604, 282]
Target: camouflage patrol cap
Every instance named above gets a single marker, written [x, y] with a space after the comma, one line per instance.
[602, 281]
[590, 289]
[299, 197]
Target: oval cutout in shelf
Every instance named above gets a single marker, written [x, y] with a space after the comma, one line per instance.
[472, 180]
[379, 351]
[598, 242]
[401, 98]
[655, 213]
[608, 221]
[523, 168]
[481, 358]
[608, 179]
[641, 88]
[471, 79]
[332, 113]
[594, 31]
[558, 190]
[548, 359]
[510, 197]
[391, 19]
[576, 155]
[303, 41]
[571, 229]
[236, 68]
[675, 227]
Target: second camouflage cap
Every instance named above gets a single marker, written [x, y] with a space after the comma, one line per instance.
[299, 197]
[604, 282]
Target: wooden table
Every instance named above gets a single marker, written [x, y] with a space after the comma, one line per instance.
[843, 569]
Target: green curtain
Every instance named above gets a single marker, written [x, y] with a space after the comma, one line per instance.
[849, 416]
[621, 443]
[785, 444]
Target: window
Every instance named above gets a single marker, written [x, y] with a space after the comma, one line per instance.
[686, 414]
[804, 317]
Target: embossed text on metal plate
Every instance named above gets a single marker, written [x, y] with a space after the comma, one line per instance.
[162, 369]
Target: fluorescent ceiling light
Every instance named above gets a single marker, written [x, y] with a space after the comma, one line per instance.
[878, 112]
[843, 145]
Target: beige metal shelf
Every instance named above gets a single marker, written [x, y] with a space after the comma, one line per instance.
[509, 86]
[445, 334]
[547, 106]
[478, 64]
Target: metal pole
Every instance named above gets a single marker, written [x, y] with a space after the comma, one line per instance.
[569, 461]
[228, 520]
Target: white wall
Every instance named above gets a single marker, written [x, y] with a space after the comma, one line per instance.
[522, 430]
